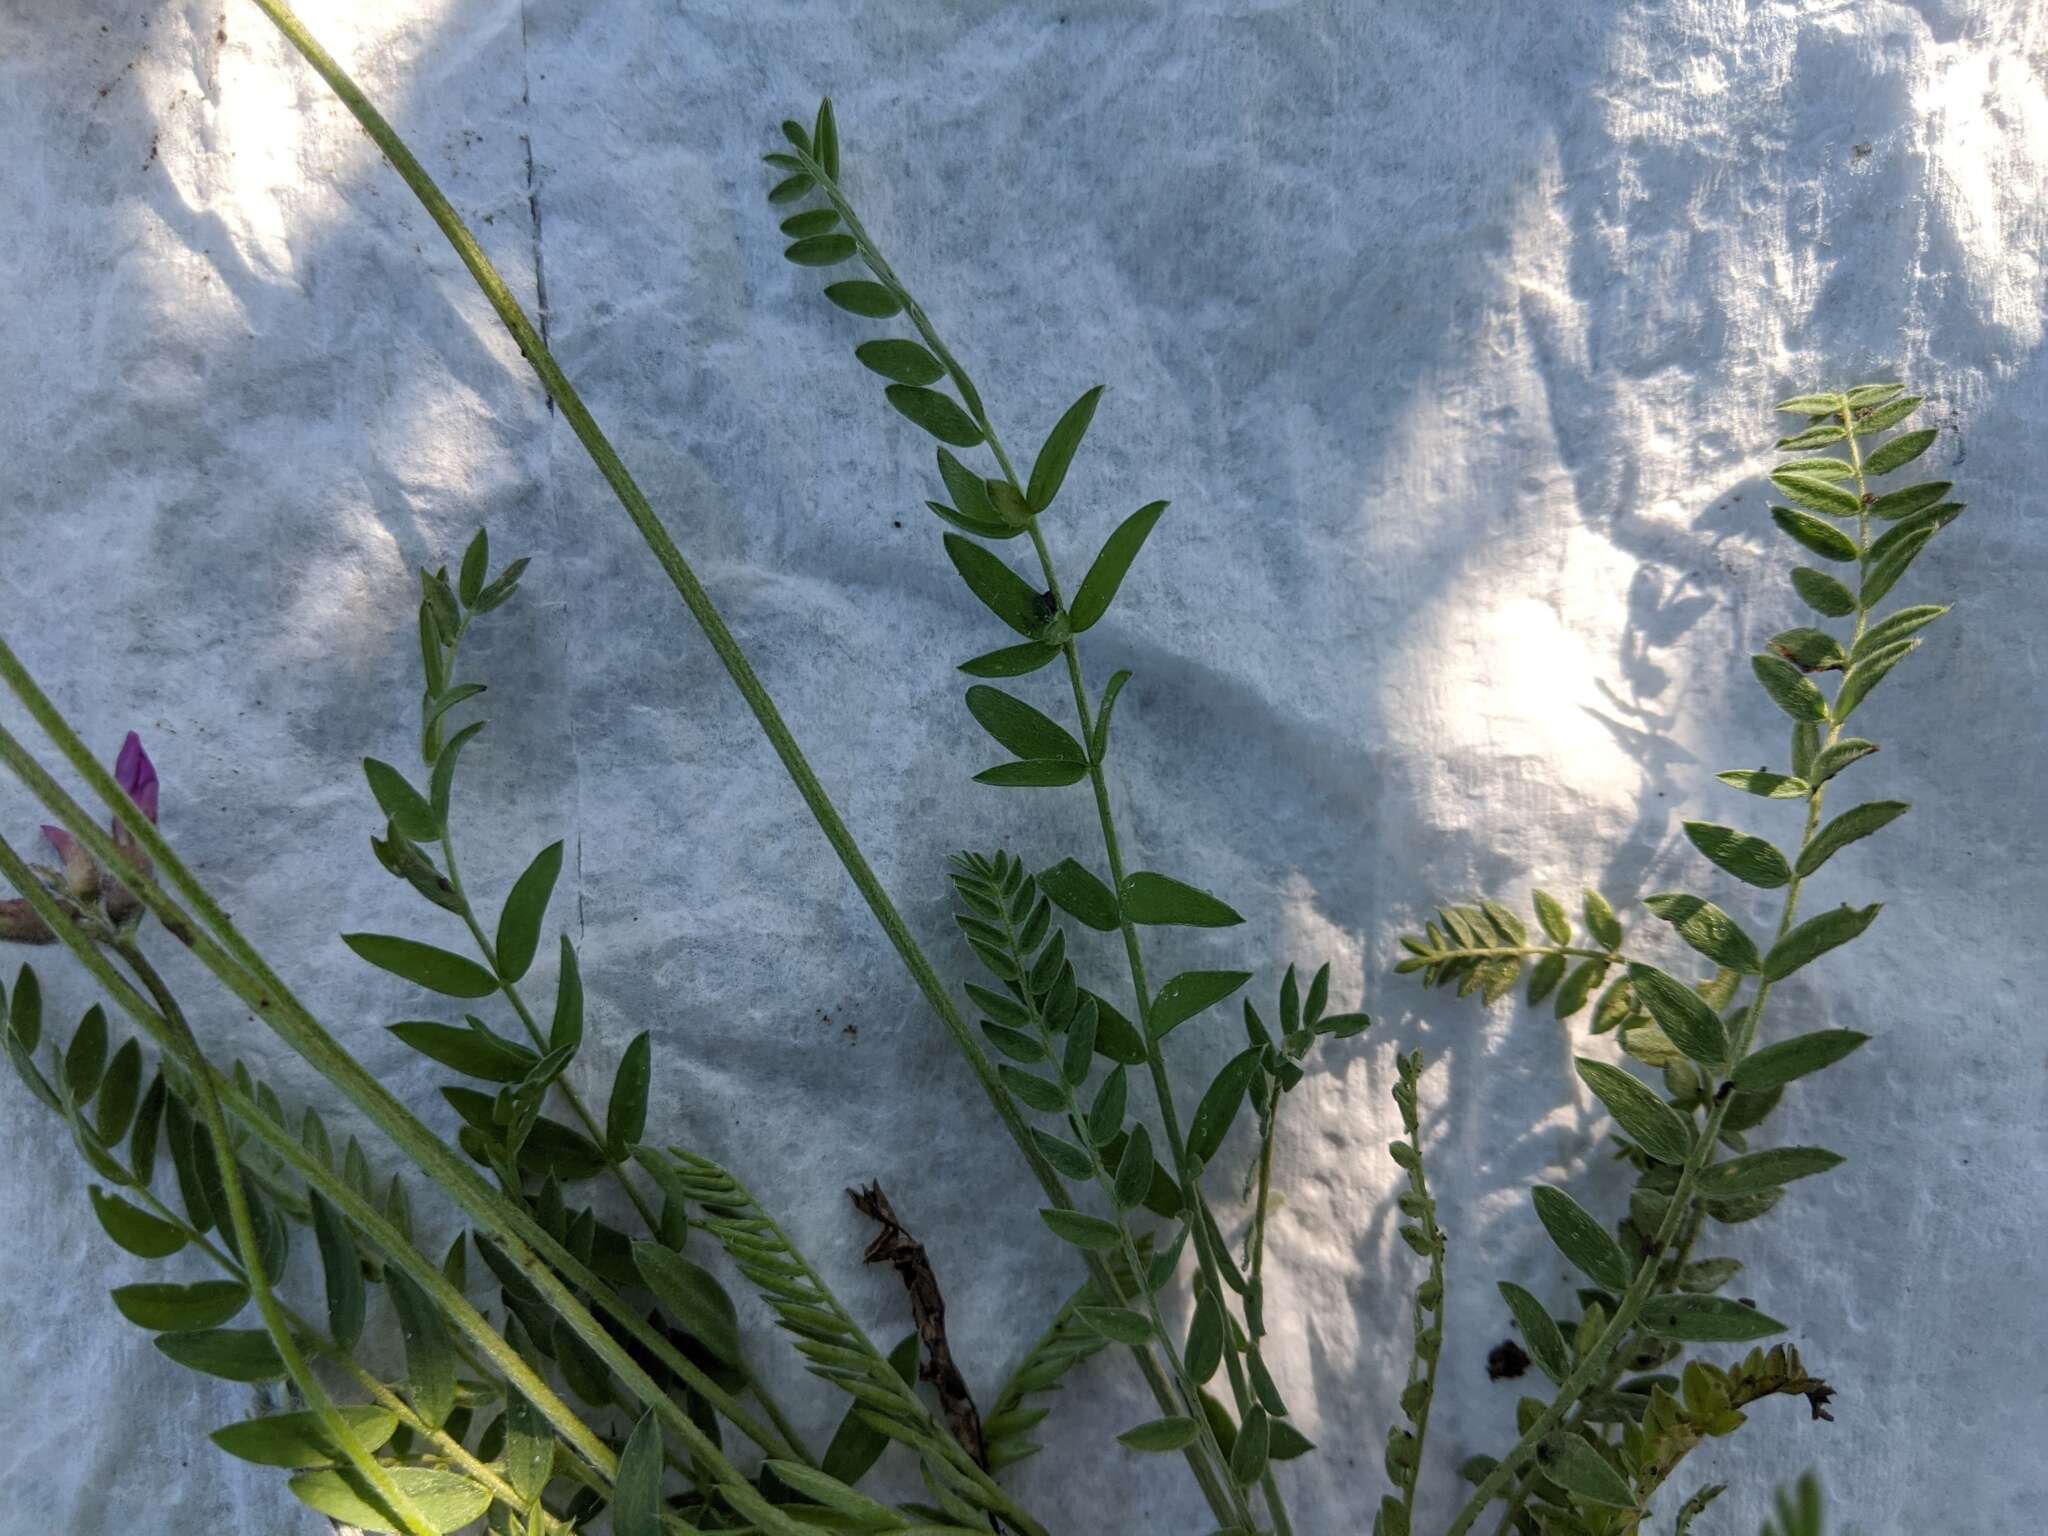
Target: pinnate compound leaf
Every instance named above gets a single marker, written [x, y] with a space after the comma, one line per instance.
[1656, 1127]
[936, 413]
[447, 1500]
[1099, 587]
[1188, 994]
[1747, 858]
[1026, 731]
[1049, 470]
[1001, 590]
[1685, 1017]
[1815, 937]
[297, 1440]
[438, 970]
[519, 923]
[1078, 892]
[1706, 1319]
[1159, 900]
[1539, 1331]
[1581, 1238]
[1776, 1065]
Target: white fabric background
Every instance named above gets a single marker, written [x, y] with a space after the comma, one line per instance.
[1451, 332]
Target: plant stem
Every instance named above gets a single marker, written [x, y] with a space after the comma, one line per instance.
[243, 1229]
[1702, 1153]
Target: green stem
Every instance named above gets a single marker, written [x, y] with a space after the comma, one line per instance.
[1680, 1208]
[243, 1227]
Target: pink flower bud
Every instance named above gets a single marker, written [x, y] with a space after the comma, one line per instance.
[81, 875]
[19, 924]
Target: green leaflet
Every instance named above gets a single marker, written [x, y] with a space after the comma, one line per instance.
[1047, 773]
[1571, 1463]
[1706, 1319]
[817, 221]
[1656, 1127]
[429, 1357]
[819, 250]
[1867, 674]
[566, 1030]
[1883, 416]
[1600, 919]
[1012, 660]
[1815, 937]
[1049, 470]
[119, 1091]
[408, 809]
[1024, 730]
[1896, 627]
[134, 1229]
[870, 300]
[1810, 405]
[1187, 995]
[473, 1052]
[1156, 899]
[233, 1354]
[1761, 781]
[1080, 894]
[1900, 451]
[825, 139]
[1789, 688]
[1824, 539]
[1910, 498]
[1581, 1238]
[1683, 1015]
[1120, 1325]
[85, 1058]
[1755, 1172]
[929, 409]
[1816, 493]
[299, 1439]
[1746, 858]
[1810, 650]
[1082, 1231]
[1099, 587]
[1847, 828]
[857, 1445]
[519, 924]
[1539, 1330]
[636, 1506]
[1830, 761]
[438, 970]
[970, 493]
[1001, 590]
[1822, 592]
[1776, 1065]
[341, 1265]
[626, 1110]
[176, 1308]
[1220, 1103]
[904, 361]
[1161, 1435]
[1707, 929]
[448, 1501]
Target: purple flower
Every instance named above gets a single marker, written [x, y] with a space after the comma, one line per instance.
[83, 881]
